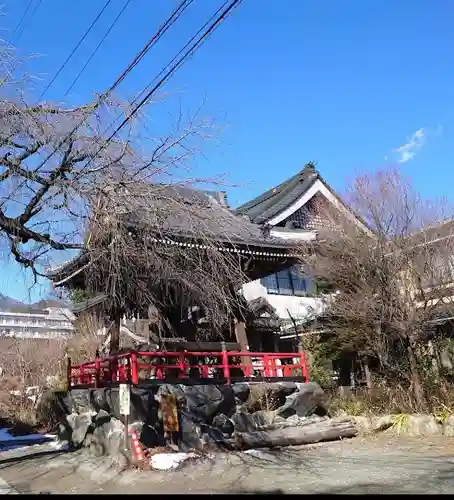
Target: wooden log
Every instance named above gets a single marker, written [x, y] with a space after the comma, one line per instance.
[326, 430]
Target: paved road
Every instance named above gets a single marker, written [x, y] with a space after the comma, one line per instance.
[383, 465]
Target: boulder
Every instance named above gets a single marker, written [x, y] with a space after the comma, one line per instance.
[448, 426]
[244, 422]
[241, 392]
[201, 402]
[423, 425]
[109, 435]
[190, 435]
[224, 424]
[79, 425]
[80, 401]
[304, 402]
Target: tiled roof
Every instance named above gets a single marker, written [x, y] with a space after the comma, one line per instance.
[196, 212]
[175, 213]
[272, 202]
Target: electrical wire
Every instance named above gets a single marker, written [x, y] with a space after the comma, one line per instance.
[100, 13]
[177, 65]
[98, 47]
[171, 62]
[29, 20]
[163, 28]
[169, 73]
[21, 20]
[152, 42]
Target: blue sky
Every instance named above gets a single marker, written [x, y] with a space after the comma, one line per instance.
[351, 84]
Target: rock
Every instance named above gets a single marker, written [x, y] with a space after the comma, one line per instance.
[304, 402]
[110, 435]
[151, 436]
[423, 425]
[190, 435]
[448, 426]
[293, 419]
[382, 423]
[244, 422]
[79, 427]
[99, 399]
[224, 424]
[363, 423]
[202, 402]
[262, 418]
[102, 416]
[80, 401]
[241, 392]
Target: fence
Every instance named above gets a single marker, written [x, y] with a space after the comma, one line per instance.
[135, 367]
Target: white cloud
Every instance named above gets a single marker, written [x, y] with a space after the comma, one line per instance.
[408, 151]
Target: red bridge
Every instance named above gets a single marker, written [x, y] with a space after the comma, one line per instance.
[141, 367]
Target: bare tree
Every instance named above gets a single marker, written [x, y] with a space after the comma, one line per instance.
[390, 284]
[67, 184]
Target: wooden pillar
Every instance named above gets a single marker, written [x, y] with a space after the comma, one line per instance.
[241, 338]
[115, 333]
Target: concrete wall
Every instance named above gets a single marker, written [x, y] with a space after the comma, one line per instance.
[299, 307]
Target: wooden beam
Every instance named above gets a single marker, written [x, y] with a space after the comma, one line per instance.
[241, 338]
[115, 333]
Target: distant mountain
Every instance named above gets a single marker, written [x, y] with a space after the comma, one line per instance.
[7, 303]
[44, 304]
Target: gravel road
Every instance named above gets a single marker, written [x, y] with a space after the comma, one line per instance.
[383, 464]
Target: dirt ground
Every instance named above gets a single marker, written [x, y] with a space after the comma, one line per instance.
[383, 464]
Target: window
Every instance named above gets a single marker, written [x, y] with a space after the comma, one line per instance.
[286, 282]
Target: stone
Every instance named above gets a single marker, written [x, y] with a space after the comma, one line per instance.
[304, 402]
[241, 392]
[448, 426]
[363, 423]
[244, 422]
[80, 425]
[110, 435]
[423, 425]
[382, 423]
[262, 418]
[224, 424]
[80, 401]
[293, 419]
[190, 435]
[98, 398]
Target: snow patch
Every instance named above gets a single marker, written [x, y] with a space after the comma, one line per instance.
[170, 461]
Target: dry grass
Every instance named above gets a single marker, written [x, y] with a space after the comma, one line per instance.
[40, 364]
[261, 398]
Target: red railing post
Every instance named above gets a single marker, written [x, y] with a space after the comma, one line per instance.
[225, 365]
[82, 374]
[134, 369]
[272, 364]
[266, 364]
[304, 367]
[181, 365]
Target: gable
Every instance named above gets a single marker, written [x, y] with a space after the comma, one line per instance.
[294, 201]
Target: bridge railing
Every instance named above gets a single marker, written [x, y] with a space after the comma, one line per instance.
[138, 366]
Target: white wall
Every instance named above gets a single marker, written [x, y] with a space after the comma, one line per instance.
[299, 307]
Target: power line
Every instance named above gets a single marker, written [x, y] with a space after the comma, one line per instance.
[175, 58]
[170, 63]
[97, 47]
[173, 17]
[21, 20]
[152, 42]
[169, 73]
[31, 17]
[75, 48]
